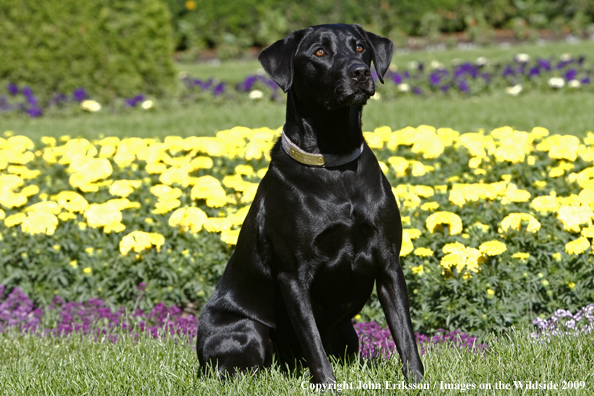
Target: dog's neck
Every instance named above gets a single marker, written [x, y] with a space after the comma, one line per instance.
[316, 129]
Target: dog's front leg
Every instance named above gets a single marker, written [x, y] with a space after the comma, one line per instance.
[392, 293]
[298, 305]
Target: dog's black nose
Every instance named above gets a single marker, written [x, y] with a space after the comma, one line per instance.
[359, 71]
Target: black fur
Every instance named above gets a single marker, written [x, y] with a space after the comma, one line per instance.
[315, 239]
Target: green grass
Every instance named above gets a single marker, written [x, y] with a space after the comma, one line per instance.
[236, 71]
[560, 112]
[76, 365]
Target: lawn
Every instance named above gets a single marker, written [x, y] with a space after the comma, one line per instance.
[79, 365]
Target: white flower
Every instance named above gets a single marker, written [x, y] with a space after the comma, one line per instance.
[256, 94]
[413, 65]
[404, 87]
[376, 96]
[481, 61]
[556, 82]
[565, 57]
[515, 90]
[522, 58]
[147, 104]
[574, 84]
[90, 105]
[436, 65]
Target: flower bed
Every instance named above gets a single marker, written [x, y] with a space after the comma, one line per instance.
[497, 225]
[96, 318]
[520, 75]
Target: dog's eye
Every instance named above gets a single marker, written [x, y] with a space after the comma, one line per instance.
[320, 52]
[360, 48]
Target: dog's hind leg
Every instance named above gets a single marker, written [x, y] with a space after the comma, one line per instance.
[244, 346]
[342, 342]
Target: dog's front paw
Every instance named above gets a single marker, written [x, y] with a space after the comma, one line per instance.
[414, 373]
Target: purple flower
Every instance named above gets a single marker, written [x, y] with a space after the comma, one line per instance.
[397, 78]
[508, 71]
[12, 89]
[570, 74]
[141, 286]
[34, 112]
[417, 91]
[463, 86]
[534, 71]
[434, 78]
[132, 102]
[219, 89]
[80, 94]
[585, 80]
[545, 64]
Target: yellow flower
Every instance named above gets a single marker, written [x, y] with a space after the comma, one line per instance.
[100, 215]
[88, 170]
[40, 223]
[411, 233]
[123, 188]
[164, 192]
[545, 204]
[490, 293]
[89, 250]
[87, 270]
[521, 256]
[72, 201]
[73, 264]
[423, 252]
[65, 216]
[572, 217]
[114, 227]
[463, 259]
[492, 248]
[557, 256]
[166, 206]
[176, 175]
[452, 247]
[407, 246]
[571, 285]
[190, 5]
[210, 189]
[438, 220]
[588, 232]
[430, 206]
[44, 206]
[514, 221]
[577, 246]
[14, 219]
[418, 270]
[230, 236]
[139, 241]
[188, 219]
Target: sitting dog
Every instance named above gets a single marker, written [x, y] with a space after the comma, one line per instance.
[324, 224]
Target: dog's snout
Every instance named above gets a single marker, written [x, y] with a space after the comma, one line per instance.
[359, 72]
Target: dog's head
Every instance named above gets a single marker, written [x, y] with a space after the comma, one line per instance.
[328, 64]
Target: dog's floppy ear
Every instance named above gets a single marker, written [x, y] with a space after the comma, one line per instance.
[381, 50]
[277, 59]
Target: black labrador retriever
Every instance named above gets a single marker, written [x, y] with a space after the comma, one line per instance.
[323, 227]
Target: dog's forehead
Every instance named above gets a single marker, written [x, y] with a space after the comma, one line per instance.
[337, 34]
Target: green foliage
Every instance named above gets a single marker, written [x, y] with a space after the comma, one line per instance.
[233, 26]
[109, 47]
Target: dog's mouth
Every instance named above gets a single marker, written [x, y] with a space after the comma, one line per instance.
[357, 95]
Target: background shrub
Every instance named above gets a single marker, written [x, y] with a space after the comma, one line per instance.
[233, 26]
[109, 47]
